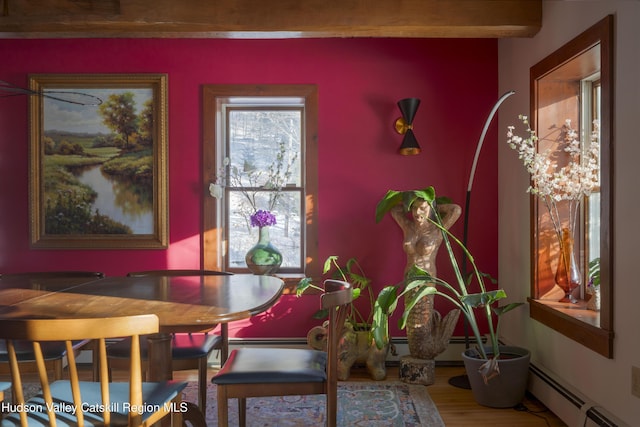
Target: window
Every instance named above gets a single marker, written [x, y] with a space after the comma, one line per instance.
[576, 82]
[260, 147]
[261, 156]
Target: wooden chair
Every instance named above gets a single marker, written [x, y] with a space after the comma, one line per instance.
[189, 351]
[103, 402]
[53, 352]
[257, 372]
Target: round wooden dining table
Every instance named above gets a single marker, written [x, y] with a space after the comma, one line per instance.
[182, 303]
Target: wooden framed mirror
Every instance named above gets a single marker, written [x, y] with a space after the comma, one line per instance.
[576, 83]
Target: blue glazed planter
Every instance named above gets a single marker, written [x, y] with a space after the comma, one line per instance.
[263, 258]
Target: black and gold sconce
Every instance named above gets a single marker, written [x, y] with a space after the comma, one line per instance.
[404, 126]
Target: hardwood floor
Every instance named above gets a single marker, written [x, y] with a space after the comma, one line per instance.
[458, 408]
[456, 405]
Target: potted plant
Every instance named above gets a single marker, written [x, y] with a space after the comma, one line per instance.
[489, 367]
[357, 341]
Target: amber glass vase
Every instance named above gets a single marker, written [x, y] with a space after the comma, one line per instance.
[568, 275]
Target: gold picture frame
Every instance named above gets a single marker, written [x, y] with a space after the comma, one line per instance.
[98, 161]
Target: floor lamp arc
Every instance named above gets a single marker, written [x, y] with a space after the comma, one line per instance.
[462, 381]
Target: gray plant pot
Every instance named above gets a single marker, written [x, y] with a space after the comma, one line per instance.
[505, 390]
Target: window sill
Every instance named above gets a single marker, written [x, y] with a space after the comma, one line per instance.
[290, 282]
[578, 311]
[574, 321]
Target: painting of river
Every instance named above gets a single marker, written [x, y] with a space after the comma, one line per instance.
[120, 200]
[99, 165]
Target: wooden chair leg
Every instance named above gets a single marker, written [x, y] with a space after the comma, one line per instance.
[192, 416]
[175, 418]
[242, 411]
[57, 369]
[202, 385]
[223, 409]
[95, 360]
[332, 409]
[224, 351]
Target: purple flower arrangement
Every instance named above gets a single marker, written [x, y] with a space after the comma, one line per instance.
[262, 218]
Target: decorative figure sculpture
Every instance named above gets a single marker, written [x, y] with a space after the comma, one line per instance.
[353, 347]
[428, 333]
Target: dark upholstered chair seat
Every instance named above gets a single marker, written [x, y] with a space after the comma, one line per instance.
[50, 350]
[273, 365]
[183, 346]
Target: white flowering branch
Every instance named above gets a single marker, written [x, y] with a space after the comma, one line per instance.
[251, 181]
[553, 181]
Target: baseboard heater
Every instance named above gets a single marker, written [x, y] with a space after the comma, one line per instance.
[591, 412]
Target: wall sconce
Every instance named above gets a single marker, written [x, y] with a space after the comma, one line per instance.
[404, 126]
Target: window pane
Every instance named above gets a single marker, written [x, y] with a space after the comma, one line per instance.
[264, 152]
[591, 132]
[264, 147]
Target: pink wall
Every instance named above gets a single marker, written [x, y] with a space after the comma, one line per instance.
[359, 83]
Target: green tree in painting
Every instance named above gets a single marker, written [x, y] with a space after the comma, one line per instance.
[49, 145]
[146, 124]
[119, 114]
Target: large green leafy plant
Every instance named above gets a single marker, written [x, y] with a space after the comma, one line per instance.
[424, 284]
[351, 272]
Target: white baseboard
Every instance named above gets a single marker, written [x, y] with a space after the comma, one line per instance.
[451, 354]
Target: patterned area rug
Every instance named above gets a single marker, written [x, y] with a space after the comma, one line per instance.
[388, 404]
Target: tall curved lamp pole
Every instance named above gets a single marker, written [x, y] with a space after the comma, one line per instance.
[462, 381]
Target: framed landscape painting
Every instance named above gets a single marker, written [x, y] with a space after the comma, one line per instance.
[98, 161]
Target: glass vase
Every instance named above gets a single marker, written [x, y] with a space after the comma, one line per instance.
[568, 275]
[263, 258]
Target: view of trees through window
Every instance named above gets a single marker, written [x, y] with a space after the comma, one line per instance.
[262, 169]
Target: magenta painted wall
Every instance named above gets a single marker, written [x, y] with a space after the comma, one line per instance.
[359, 82]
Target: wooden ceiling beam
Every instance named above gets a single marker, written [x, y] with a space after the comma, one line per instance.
[270, 19]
